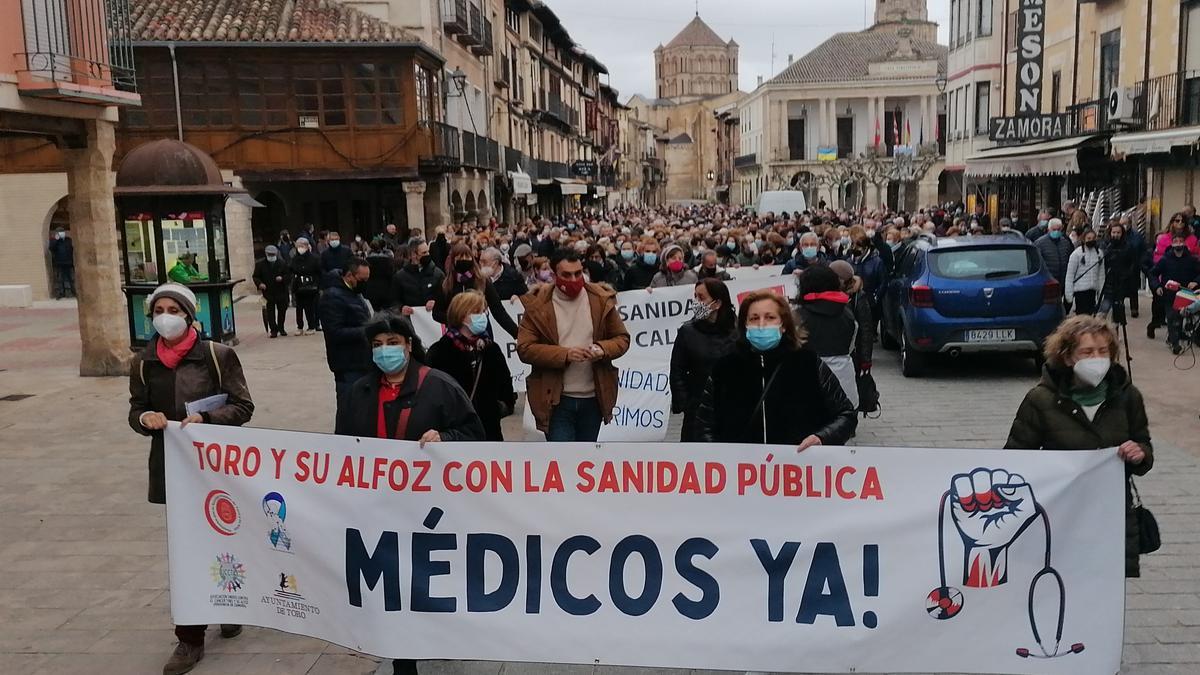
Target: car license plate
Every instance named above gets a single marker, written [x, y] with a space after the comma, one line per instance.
[992, 335]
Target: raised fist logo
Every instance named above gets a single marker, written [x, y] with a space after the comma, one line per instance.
[990, 509]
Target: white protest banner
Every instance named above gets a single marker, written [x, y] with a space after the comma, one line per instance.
[761, 272]
[731, 557]
[653, 318]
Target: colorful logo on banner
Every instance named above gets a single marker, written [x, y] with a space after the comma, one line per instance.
[222, 513]
[990, 510]
[275, 508]
[287, 600]
[229, 574]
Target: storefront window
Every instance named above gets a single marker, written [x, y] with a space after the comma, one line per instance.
[141, 249]
[185, 247]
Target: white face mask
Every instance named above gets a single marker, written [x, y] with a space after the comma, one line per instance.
[170, 326]
[487, 271]
[1092, 371]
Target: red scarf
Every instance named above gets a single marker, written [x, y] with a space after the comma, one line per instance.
[832, 296]
[172, 355]
[466, 343]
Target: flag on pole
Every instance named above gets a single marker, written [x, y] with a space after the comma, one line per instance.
[895, 130]
[877, 138]
[907, 132]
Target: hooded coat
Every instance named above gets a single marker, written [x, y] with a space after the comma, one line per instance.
[1049, 419]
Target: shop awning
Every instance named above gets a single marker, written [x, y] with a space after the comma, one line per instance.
[1049, 158]
[521, 182]
[1149, 142]
[571, 186]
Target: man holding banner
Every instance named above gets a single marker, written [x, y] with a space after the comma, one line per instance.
[570, 334]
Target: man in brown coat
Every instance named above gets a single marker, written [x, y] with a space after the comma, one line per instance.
[571, 333]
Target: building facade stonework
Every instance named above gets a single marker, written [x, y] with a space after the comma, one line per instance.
[697, 76]
[866, 97]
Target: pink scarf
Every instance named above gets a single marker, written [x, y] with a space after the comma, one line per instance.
[172, 355]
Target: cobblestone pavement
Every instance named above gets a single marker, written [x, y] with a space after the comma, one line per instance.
[82, 555]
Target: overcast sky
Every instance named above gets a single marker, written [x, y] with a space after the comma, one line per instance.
[624, 33]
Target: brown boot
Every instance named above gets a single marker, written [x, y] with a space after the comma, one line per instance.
[184, 659]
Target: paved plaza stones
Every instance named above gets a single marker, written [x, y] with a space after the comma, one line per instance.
[83, 556]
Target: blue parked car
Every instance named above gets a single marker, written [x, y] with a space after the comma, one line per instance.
[971, 294]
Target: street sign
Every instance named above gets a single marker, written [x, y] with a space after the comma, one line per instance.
[583, 167]
[1031, 128]
[1031, 38]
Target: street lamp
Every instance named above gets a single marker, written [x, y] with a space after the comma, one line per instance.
[459, 78]
[941, 83]
[711, 175]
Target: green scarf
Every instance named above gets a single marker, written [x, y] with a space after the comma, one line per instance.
[1090, 396]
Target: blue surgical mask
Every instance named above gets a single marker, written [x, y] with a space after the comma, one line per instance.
[477, 323]
[650, 258]
[272, 258]
[1043, 223]
[764, 338]
[1056, 234]
[391, 359]
[894, 245]
[809, 252]
[628, 254]
[334, 243]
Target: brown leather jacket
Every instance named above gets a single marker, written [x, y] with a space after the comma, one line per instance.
[537, 345]
[154, 387]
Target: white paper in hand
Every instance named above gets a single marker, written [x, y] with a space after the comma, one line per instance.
[206, 404]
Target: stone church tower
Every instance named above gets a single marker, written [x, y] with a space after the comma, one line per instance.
[697, 63]
[894, 15]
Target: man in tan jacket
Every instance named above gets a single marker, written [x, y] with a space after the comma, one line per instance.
[571, 333]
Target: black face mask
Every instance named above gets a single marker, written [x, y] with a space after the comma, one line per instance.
[1090, 244]
[1179, 250]
[464, 266]
[424, 261]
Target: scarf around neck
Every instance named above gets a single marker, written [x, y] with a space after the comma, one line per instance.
[466, 343]
[170, 355]
[1089, 396]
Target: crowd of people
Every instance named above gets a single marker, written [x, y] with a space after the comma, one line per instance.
[768, 369]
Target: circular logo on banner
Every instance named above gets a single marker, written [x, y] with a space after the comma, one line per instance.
[222, 513]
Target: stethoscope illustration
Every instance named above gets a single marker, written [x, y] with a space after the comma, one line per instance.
[945, 601]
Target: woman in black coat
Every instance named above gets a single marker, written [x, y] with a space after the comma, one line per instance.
[418, 402]
[824, 310]
[710, 335]
[463, 273]
[466, 354]
[771, 388]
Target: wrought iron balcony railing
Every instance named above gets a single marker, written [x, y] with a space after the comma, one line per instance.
[85, 43]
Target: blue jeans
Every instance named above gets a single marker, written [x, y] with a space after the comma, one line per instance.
[574, 419]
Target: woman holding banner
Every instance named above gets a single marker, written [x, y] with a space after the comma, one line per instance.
[404, 399]
[710, 335]
[1086, 401]
[466, 354]
[181, 377]
[772, 388]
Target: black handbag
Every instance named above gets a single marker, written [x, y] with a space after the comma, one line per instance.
[868, 393]
[1149, 540]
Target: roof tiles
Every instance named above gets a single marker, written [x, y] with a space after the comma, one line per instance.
[697, 34]
[267, 21]
[847, 57]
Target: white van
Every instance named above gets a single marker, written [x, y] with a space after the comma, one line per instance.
[778, 201]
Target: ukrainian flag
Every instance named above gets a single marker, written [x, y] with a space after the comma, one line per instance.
[826, 154]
